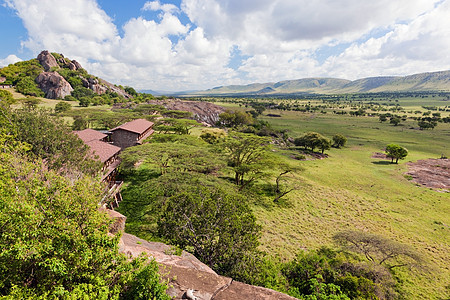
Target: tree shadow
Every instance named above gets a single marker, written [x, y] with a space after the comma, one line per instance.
[382, 162]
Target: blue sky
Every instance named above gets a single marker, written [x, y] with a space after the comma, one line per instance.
[199, 44]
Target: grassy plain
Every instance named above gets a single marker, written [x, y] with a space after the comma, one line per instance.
[351, 190]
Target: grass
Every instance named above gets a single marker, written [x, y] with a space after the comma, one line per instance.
[351, 190]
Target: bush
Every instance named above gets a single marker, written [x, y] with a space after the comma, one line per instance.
[62, 107]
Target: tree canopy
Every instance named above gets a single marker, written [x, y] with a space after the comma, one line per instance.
[396, 152]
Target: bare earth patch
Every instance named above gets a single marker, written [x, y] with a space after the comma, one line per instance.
[432, 173]
[379, 155]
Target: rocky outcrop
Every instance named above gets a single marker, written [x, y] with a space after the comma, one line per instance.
[204, 112]
[188, 277]
[94, 85]
[53, 85]
[47, 60]
[114, 89]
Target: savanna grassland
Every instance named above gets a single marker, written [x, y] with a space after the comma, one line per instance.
[352, 190]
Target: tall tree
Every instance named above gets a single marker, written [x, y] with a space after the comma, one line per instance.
[247, 154]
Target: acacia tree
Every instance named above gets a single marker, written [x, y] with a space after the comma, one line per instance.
[247, 154]
[396, 152]
[378, 249]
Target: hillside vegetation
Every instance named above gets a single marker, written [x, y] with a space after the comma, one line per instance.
[434, 81]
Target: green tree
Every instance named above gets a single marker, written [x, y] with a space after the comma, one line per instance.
[379, 249]
[395, 120]
[175, 126]
[236, 118]
[85, 101]
[247, 154]
[396, 152]
[7, 97]
[382, 118]
[131, 91]
[339, 140]
[173, 157]
[324, 144]
[61, 107]
[212, 218]
[52, 140]
[311, 140]
[27, 86]
[81, 91]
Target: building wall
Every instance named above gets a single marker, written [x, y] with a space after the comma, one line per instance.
[123, 138]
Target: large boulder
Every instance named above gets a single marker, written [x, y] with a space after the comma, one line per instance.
[53, 85]
[47, 60]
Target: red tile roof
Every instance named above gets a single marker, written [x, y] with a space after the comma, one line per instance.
[104, 150]
[88, 135]
[137, 126]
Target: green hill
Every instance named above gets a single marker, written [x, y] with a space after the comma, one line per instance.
[435, 81]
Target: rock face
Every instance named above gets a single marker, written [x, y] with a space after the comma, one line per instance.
[47, 60]
[204, 112]
[188, 277]
[94, 85]
[53, 85]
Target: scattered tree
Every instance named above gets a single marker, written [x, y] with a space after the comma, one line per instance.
[339, 140]
[379, 249]
[396, 152]
[247, 155]
[61, 107]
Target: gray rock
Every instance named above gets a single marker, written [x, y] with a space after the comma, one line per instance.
[76, 64]
[53, 85]
[47, 60]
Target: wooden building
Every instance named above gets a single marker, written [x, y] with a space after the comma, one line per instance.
[131, 133]
[103, 151]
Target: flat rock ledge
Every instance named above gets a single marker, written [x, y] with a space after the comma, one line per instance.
[188, 277]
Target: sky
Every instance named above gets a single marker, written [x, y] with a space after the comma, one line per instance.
[180, 45]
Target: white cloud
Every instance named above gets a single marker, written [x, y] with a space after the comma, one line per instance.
[156, 5]
[278, 39]
[10, 59]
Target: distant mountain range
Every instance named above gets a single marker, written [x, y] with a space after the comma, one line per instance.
[434, 81]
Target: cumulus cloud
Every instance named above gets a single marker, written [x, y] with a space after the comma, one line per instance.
[156, 5]
[275, 39]
[10, 59]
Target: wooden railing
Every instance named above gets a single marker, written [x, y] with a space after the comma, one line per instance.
[112, 197]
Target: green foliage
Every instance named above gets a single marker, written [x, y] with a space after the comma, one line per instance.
[339, 140]
[395, 120]
[234, 118]
[53, 141]
[379, 249]
[6, 97]
[14, 72]
[326, 273]
[61, 107]
[247, 154]
[53, 239]
[211, 217]
[175, 126]
[27, 86]
[131, 91]
[79, 92]
[173, 157]
[212, 137]
[85, 101]
[396, 152]
[313, 140]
